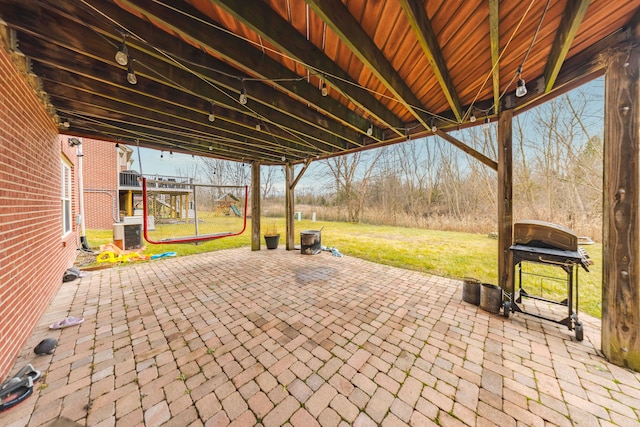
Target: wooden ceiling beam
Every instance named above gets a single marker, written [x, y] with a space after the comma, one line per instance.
[110, 84]
[292, 92]
[470, 151]
[257, 15]
[102, 116]
[254, 63]
[84, 115]
[137, 103]
[336, 15]
[421, 24]
[272, 106]
[571, 19]
[577, 70]
[494, 36]
[153, 138]
[105, 135]
[182, 89]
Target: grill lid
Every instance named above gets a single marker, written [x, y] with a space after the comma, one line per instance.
[544, 235]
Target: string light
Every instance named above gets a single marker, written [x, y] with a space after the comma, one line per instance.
[211, 147]
[521, 88]
[243, 98]
[131, 74]
[243, 95]
[486, 123]
[472, 119]
[122, 55]
[258, 127]
[433, 126]
[370, 129]
[212, 115]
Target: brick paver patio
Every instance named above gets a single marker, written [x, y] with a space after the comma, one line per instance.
[277, 338]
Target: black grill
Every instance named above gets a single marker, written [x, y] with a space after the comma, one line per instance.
[553, 245]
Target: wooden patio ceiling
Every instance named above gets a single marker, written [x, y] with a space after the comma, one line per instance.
[321, 77]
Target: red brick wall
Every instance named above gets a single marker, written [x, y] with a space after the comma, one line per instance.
[100, 166]
[33, 253]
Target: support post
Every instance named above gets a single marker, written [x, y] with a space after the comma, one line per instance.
[129, 209]
[291, 183]
[505, 199]
[255, 206]
[289, 206]
[621, 206]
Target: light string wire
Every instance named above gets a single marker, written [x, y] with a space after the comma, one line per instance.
[504, 49]
[308, 145]
[169, 56]
[315, 70]
[227, 143]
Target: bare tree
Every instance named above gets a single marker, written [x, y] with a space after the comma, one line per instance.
[267, 180]
[353, 183]
[224, 172]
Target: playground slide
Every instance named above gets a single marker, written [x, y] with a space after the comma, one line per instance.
[235, 210]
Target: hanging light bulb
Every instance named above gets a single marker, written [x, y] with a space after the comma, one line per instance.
[434, 128]
[521, 88]
[66, 124]
[170, 153]
[258, 127]
[131, 74]
[162, 155]
[284, 158]
[212, 116]
[472, 119]
[243, 95]
[210, 147]
[370, 129]
[486, 123]
[122, 55]
[324, 91]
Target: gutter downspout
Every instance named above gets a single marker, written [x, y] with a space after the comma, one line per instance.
[83, 234]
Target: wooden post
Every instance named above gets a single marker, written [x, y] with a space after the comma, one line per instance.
[255, 206]
[621, 205]
[289, 206]
[291, 183]
[505, 200]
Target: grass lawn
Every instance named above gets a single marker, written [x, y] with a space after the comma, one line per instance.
[442, 253]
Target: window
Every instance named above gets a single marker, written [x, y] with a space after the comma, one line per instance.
[66, 198]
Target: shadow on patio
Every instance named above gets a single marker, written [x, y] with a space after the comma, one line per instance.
[274, 337]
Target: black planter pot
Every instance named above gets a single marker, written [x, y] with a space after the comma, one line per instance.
[272, 241]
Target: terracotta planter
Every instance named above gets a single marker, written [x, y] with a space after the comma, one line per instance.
[272, 241]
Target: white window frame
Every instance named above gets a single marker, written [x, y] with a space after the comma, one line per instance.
[66, 198]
